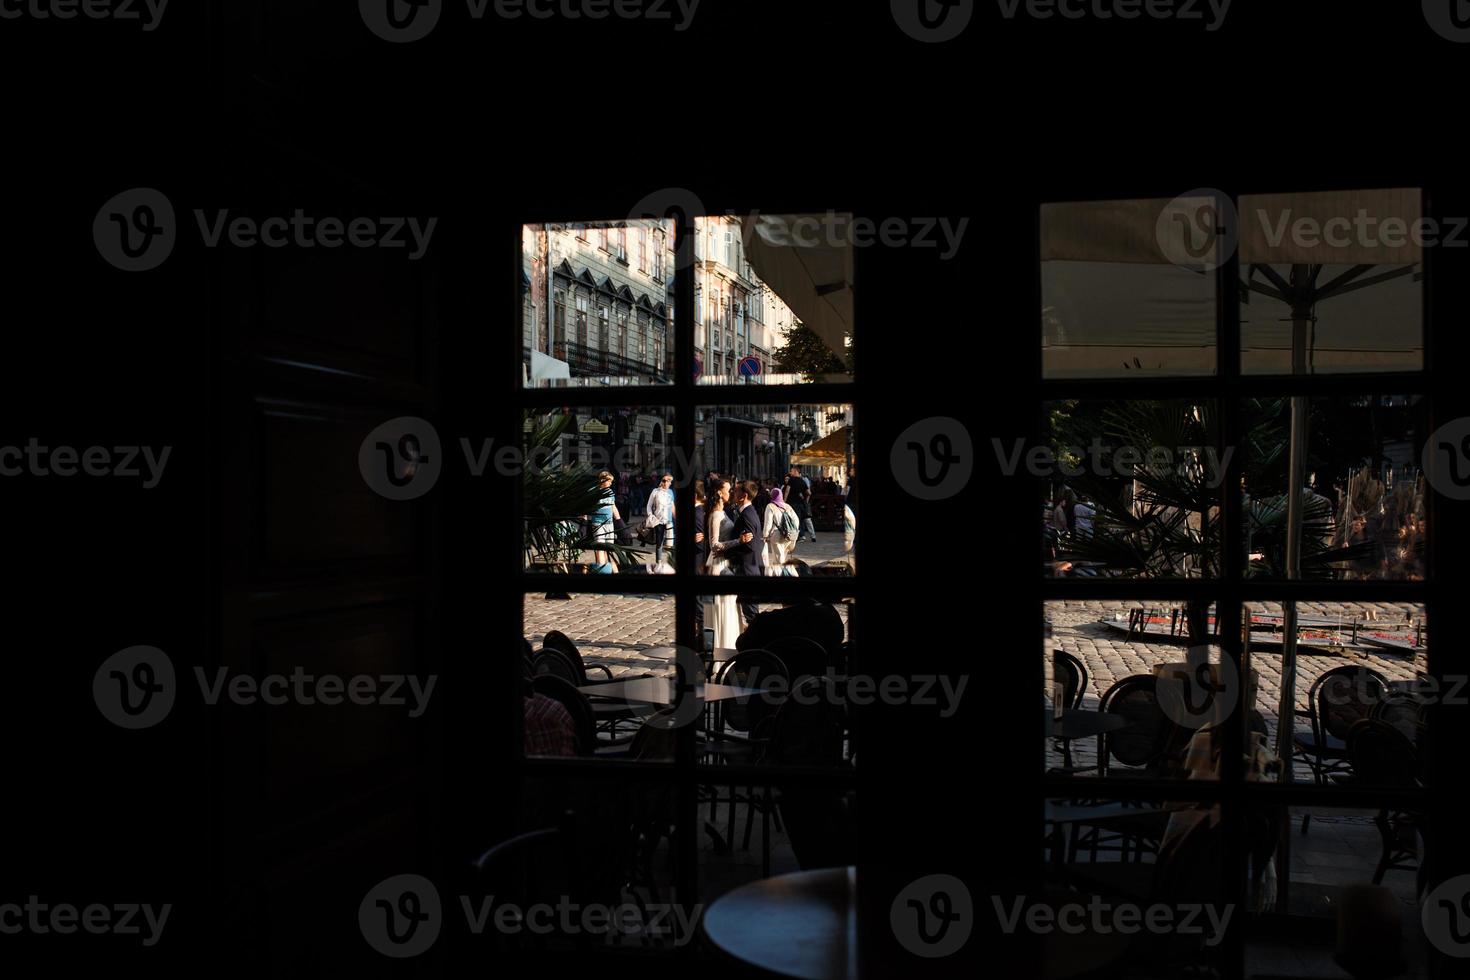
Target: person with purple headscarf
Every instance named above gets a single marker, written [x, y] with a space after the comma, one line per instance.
[782, 528]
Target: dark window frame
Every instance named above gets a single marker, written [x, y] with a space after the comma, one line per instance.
[1226, 388]
[683, 395]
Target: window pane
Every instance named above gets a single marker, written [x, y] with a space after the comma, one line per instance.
[1139, 887]
[1113, 304]
[1340, 920]
[1332, 282]
[794, 666]
[1353, 661]
[1127, 489]
[814, 528]
[773, 299]
[592, 477]
[1363, 513]
[610, 316]
[1120, 694]
[582, 647]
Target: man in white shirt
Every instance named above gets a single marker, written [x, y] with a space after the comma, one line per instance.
[661, 516]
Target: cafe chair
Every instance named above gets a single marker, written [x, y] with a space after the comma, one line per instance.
[557, 640]
[1143, 748]
[807, 730]
[1337, 699]
[1074, 685]
[802, 655]
[1382, 756]
[737, 730]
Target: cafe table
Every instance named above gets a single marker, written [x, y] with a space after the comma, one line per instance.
[1079, 723]
[802, 924]
[660, 690]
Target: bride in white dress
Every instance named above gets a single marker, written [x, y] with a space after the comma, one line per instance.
[722, 614]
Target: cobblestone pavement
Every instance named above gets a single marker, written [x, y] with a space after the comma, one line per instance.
[1110, 656]
[630, 633]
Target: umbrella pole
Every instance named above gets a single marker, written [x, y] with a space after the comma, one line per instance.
[1301, 315]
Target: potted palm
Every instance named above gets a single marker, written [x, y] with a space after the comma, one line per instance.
[556, 499]
[1162, 519]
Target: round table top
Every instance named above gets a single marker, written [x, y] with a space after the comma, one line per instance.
[796, 925]
[1082, 724]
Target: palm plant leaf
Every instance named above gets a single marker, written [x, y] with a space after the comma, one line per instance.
[556, 499]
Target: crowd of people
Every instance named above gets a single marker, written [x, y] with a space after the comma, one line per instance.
[1068, 516]
[742, 527]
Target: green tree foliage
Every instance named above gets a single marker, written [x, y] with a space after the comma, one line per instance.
[805, 353]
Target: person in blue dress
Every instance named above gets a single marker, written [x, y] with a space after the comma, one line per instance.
[601, 523]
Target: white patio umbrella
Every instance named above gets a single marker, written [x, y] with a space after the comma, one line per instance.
[1134, 279]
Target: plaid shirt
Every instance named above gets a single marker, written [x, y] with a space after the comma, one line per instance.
[549, 727]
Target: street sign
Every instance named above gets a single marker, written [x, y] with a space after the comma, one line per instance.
[593, 427]
[750, 366]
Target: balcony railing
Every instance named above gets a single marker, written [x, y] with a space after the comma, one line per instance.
[585, 361]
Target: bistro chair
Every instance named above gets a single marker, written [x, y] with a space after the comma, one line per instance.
[1405, 712]
[557, 640]
[1143, 747]
[1337, 699]
[803, 656]
[528, 868]
[1382, 757]
[807, 730]
[748, 718]
[558, 862]
[552, 662]
[737, 730]
[1072, 675]
[1144, 744]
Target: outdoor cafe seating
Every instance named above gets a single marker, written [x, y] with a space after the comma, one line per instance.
[748, 716]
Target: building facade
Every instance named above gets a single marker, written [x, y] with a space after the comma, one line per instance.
[610, 291]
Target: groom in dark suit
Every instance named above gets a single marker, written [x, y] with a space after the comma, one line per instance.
[747, 557]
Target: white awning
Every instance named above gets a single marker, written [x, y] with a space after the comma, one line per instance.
[544, 367]
[814, 280]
